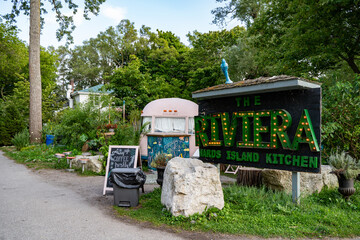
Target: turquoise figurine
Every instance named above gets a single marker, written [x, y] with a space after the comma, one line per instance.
[224, 68]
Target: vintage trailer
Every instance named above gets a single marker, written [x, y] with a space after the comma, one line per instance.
[171, 128]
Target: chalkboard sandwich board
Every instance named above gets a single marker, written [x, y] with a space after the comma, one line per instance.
[119, 157]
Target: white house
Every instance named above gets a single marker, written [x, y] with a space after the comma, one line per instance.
[83, 96]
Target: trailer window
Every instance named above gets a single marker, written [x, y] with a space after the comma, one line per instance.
[191, 129]
[147, 120]
[170, 125]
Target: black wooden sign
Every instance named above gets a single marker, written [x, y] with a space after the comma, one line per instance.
[278, 130]
[119, 157]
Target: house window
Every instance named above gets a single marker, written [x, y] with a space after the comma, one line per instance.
[170, 125]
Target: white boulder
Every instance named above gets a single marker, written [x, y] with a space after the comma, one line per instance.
[190, 186]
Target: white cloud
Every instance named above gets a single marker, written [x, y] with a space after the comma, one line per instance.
[115, 13]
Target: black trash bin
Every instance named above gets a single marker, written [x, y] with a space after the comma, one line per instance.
[126, 183]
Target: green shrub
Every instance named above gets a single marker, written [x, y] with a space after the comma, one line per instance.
[73, 127]
[343, 163]
[21, 139]
[341, 117]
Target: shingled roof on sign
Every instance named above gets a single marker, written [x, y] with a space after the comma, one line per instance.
[253, 86]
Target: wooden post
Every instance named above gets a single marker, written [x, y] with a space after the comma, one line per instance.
[123, 111]
[296, 187]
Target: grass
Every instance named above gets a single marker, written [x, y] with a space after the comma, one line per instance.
[42, 157]
[259, 212]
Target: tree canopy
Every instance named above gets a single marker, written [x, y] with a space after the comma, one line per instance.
[299, 37]
[13, 58]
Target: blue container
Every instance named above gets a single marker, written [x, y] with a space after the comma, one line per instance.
[49, 139]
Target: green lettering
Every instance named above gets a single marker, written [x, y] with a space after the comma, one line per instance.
[279, 131]
[201, 125]
[258, 129]
[257, 100]
[256, 157]
[304, 161]
[208, 153]
[245, 130]
[281, 158]
[249, 156]
[244, 156]
[218, 154]
[305, 133]
[296, 161]
[238, 100]
[228, 155]
[213, 153]
[215, 131]
[268, 158]
[275, 161]
[313, 162]
[229, 128]
[287, 159]
[238, 158]
[233, 155]
[246, 101]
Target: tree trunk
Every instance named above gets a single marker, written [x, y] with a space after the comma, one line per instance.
[35, 122]
[352, 64]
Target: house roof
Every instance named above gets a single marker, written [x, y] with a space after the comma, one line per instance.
[95, 89]
[253, 86]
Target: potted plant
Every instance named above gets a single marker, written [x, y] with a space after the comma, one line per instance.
[160, 162]
[346, 169]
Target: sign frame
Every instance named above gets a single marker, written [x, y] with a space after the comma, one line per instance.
[301, 99]
[108, 170]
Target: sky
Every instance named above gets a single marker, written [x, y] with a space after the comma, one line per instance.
[177, 16]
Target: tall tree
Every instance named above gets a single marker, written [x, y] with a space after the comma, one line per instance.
[204, 59]
[244, 10]
[35, 123]
[33, 7]
[305, 36]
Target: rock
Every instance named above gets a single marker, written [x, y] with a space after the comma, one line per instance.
[309, 182]
[190, 186]
[329, 179]
[94, 164]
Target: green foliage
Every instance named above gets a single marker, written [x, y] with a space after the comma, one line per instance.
[343, 163]
[66, 22]
[341, 116]
[13, 59]
[299, 37]
[21, 139]
[74, 126]
[14, 107]
[244, 10]
[161, 160]
[264, 213]
[12, 121]
[142, 66]
[38, 156]
[204, 59]
[129, 84]
[125, 134]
